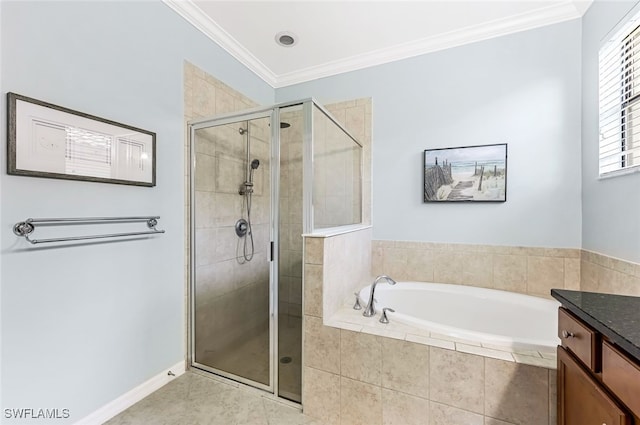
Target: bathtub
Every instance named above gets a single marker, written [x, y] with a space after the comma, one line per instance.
[486, 316]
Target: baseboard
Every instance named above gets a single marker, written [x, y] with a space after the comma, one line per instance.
[130, 398]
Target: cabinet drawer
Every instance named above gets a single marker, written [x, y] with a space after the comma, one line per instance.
[578, 338]
[622, 376]
[581, 400]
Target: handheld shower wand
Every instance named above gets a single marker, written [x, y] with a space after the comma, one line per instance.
[246, 190]
[254, 166]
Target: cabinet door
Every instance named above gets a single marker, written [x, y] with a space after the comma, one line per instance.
[581, 400]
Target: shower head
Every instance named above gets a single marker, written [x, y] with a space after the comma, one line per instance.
[255, 164]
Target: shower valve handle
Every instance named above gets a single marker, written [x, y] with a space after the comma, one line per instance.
[384, 319]
[357, 305]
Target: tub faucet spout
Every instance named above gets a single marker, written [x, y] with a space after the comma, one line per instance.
[370, 310]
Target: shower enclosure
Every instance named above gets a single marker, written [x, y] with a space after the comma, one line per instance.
[259, 180]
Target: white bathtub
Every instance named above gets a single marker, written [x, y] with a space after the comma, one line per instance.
[487, 316]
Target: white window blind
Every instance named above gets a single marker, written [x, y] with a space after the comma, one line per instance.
[619, 95]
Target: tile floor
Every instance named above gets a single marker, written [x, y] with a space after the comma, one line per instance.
[194, 399]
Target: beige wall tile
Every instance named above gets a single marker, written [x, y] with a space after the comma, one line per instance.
[420, 265]
[343, 275]
[360, 356]
[355, 121]
[204, 172]
[405, 367]
[516, 393]
[224, 102]
[314, 248]
[587, 256]
[321, 345]
[589, 276]
[321, 395]
[313, 290]
[572, 273]
[447, 267]
[395, 263]
[623, 266]
[403, 409]
[609, 280]
[477, 269]
[558, 252]
[510, 273]
[492, 421]
[377, 259]
[442, 414]
[544, 273]
[625, 284]
[600, 273]
[457, 379]
[360, 403]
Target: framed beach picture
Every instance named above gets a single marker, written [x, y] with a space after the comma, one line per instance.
[46, 140]
[466, 174]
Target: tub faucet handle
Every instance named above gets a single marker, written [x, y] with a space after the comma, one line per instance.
[384, 319]
[357, 305]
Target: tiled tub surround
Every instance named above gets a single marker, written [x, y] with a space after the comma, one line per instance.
[360, 371]
[358, 378]
[601, 273]
[527, 270]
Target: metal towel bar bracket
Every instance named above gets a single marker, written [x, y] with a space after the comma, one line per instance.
[27, 227]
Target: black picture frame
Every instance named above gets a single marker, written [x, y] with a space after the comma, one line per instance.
[465, 174]
[50, 141]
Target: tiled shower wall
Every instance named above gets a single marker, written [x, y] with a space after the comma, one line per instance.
[229, 287]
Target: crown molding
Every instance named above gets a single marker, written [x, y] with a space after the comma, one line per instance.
[196, 17]
[542, 17]
[538, 18]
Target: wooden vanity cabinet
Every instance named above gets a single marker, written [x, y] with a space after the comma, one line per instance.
[581, 399]
[597, 384]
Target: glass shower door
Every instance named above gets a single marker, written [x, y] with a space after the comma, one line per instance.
[231, 210]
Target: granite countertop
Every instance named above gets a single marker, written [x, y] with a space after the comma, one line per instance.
[615, 316]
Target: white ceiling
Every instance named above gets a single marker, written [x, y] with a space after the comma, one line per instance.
[341, 36]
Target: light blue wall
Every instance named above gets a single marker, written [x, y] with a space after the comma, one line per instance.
[522, 89]
[83, 325]
[611, 207]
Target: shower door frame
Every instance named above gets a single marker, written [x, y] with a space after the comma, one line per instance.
[272, 111]
[217, 121]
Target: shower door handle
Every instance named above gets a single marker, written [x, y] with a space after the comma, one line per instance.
[271, 249]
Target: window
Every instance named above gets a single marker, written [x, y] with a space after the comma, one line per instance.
[619, 94]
